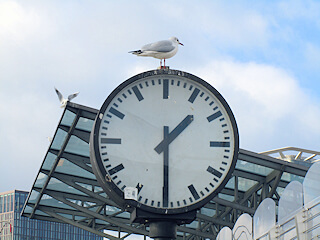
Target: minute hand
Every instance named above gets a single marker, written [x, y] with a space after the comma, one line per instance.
[174, 133]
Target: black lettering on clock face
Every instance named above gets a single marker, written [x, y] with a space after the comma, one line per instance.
[116, 169]
[165, 88]
[214, 172]
[214, 116]
[111, 140]
[194, 192]
[139, 187]
[116, 113]
[219, 144]
[137, 93]
[194, 95]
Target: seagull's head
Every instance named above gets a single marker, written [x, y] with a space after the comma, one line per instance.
[176, 40]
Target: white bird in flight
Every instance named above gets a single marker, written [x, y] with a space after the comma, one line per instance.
[64, 101]
[162, 50]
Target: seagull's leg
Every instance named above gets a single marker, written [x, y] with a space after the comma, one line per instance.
[164, 64]
[160, 63]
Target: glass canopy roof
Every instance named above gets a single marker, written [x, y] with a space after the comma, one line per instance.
[66, 189]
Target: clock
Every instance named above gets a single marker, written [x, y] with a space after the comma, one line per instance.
[170, 136]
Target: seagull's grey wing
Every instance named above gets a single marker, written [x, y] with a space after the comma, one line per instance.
[161, 46]
[72, 96]
[59, 95]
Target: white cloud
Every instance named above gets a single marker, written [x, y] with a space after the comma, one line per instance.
[300, 9]
[270, 107]
[17, 24]
[83, 46]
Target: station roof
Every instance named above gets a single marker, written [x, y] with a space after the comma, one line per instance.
[66, 189]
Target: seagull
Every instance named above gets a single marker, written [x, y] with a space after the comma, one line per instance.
[64, 101]
[162, 50]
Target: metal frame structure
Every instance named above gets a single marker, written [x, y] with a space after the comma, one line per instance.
[294, 154]
[66, 190]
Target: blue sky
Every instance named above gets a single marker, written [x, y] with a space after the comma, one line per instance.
[263, 56]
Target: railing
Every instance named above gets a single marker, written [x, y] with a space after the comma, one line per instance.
[298, 214]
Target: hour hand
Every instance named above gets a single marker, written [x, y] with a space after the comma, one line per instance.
[173, 134]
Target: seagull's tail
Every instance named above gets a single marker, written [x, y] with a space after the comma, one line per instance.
[137, 52]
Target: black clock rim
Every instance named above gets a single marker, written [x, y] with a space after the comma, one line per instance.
[111, 188]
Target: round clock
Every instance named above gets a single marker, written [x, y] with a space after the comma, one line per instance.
[168, 134]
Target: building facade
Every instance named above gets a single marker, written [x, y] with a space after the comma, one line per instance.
[13, 226]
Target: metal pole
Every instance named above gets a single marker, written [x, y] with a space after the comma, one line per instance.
[163, 230]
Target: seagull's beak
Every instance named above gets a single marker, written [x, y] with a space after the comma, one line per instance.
[181, 43]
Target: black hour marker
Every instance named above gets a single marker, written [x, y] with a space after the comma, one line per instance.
[165, 88]
[214, 172]
[214, 116]
[116, 169]
[111, 140]
[219, 144]
[137, 93]
[116, 113]
[194, 95]
[194, 192]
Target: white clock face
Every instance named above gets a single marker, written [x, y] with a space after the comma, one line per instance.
[170, 137]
